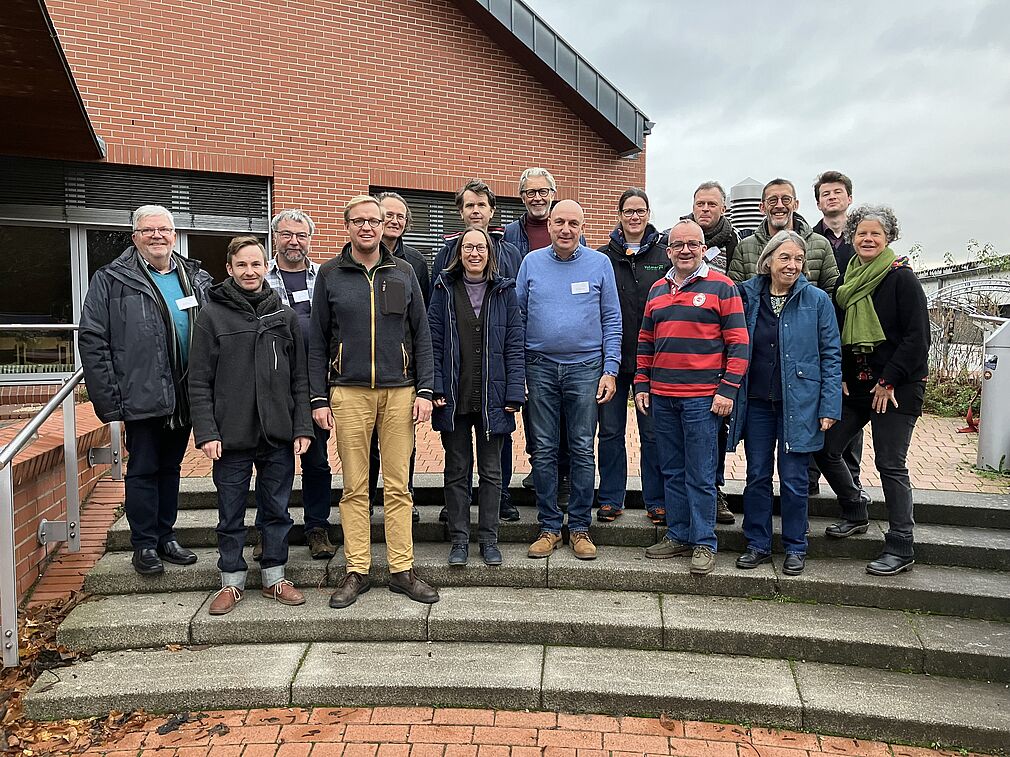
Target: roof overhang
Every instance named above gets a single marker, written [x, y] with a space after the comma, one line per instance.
[527, 38]
[41, 110]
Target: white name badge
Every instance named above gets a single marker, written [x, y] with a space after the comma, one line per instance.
[580, 287]
[185, 303]
[302, 295]
[712, 253]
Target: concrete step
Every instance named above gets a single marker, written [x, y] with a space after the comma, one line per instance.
[940, 507]
[634, 620]
[825, 698]
[942, 590]
[938, 545]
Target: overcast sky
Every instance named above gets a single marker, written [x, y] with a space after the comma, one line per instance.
[909, 98]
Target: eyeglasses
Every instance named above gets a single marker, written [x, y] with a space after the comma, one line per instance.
[396, 217]
[693, 245]
[632, 212]
[474, 247]
[162, 230]
[529, 194]
[301, 236]
[358, 223]
[774, 200]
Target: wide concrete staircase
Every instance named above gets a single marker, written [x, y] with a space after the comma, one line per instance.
[922, 658]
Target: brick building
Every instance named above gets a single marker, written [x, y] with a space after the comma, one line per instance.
[224, 110]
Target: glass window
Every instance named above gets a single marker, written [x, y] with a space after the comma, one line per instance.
[104, 246]
[211, 251]
[35, 287]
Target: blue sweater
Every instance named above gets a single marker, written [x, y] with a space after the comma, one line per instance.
[570, 308]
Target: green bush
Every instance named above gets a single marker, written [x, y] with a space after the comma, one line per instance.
[950, 397]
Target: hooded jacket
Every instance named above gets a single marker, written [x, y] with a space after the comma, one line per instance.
[821, 267]
[248, 380]
[369, 328]
[809, 349]
[635, 275]
[128, 364]
[504, 370]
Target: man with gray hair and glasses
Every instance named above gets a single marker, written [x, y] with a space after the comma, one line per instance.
[135, 336]
[293, 276]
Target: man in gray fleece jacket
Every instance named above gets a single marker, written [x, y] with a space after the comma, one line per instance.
[370, 367]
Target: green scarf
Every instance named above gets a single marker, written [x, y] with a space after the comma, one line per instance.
[861, 328]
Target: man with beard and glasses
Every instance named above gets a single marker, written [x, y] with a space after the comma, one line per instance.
[293, 276]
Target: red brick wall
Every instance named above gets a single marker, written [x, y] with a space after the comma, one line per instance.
[329, 96]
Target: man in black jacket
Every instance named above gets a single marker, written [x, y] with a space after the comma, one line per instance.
[637, 252]
[371, 367]
[249, 387]
[833, 194]
[134, 339]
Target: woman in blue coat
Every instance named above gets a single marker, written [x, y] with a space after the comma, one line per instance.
[791, 395]
[480, 379]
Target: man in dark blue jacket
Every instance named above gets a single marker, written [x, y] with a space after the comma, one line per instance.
[135, 334]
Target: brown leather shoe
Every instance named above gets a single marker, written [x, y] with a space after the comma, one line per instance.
[319, 544]
[545, 544]
[350, 587]
[225, 600]
[407, 582]
[284, 592]
[582, 546]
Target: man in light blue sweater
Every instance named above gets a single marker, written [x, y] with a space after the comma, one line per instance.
[572, 319]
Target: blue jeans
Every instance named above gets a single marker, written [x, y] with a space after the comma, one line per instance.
[275, 472]
[553, 386]
[687, 439]
[763, 430]
[614, 454]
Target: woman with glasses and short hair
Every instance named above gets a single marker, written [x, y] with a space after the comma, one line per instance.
[480, 380]
[789, 397]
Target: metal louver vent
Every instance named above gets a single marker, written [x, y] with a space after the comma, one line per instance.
[107, 193]
[434, 215]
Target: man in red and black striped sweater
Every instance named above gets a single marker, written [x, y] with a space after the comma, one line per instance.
[693, 351]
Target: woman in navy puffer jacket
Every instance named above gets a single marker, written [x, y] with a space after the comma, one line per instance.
[480, 378]
[791, 395]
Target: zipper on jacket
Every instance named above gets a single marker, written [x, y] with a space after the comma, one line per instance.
[370, 276]
[403, 348]
[487, 370]
[340, 358]
[273, 343]
[453, 353]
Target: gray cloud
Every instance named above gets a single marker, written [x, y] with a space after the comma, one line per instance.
[911, 98]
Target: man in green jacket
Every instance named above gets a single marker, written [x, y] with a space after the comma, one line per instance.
[779, 204]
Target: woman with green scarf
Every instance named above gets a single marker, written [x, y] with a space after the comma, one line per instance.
[885, 343]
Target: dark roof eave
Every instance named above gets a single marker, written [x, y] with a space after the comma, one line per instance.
[625, 132]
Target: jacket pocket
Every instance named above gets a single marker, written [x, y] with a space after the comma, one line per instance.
[393, 297]
[809, 371]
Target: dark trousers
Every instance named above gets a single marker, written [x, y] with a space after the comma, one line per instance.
[317, 481]
[458, 445]
[275, 473]
[317, 484]
[374, 465]
[892, 433]
[613, 451]
[152, 480]
[764, 432]
[852, 456]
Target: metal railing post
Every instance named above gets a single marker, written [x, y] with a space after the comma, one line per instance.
[116, 442]
[70, 463]
[8, 570]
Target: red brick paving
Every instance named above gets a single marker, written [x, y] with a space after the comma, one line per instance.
[427, 732]
[939, 457]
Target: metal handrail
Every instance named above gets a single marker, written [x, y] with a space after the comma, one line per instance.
[49, 531]
[12, 448]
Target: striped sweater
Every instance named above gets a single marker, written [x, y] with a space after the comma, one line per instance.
[693, 341]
